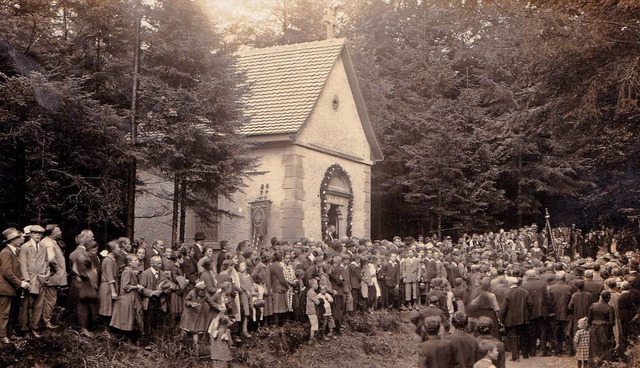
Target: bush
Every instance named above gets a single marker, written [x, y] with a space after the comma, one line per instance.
[362, 323]
[268, 346]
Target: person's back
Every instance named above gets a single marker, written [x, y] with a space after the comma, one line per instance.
[560, 295]
[465, 344]
[539, 296]
[580, 303]
[592, 286]
[436, 352]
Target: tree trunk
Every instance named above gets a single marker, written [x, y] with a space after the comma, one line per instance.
[131, 193]
[131, 198]
[21, 183]
[183, 208]
[519, 195]
[174, 212]
[439, 216]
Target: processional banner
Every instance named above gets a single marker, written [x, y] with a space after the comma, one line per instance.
[259, 221]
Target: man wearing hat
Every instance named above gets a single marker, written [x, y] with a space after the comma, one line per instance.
[199, 246]
[34, 269]
[10, 282]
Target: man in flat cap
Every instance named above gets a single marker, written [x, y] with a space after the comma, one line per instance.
[10, 282]
[34, 269]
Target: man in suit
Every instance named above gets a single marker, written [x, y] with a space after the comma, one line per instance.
[628, 308]
[34, 269]
[58, 276]
[592, 286]
[560, 296]
[410, 275]
[514, 313]
[390, 273]
[10, 282]
[338, 285]
[539, 321]
[199, 245]
[155, 250]
[313, 272]
[355, 278]
[153, 302]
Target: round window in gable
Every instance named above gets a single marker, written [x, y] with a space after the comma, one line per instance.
[335, 103]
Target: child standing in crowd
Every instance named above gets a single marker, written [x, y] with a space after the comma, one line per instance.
[327, 317]
[257, 300]
[220, 342]
[581, 343]
[196, 314]
[299, 301]
[312, 302]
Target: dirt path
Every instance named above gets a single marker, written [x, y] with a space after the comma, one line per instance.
[549, 362]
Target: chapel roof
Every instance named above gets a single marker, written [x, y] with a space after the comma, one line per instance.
[284, 84]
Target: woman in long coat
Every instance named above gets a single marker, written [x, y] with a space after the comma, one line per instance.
[127, 310]
[108, 289]
[485, 305]
[602, 318]
[279, 286]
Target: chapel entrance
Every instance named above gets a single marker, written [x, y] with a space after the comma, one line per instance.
[336, 197]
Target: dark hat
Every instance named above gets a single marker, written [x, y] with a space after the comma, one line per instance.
[11, 233]
[199, 236]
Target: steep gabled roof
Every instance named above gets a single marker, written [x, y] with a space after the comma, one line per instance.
[284, 84]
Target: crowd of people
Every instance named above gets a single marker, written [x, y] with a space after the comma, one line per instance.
[472, 301]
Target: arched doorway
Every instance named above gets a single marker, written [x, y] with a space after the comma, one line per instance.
[336, 203]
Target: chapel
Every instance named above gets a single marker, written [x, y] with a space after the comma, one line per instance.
[315, 144]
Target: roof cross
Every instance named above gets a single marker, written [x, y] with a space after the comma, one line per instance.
[330, 19]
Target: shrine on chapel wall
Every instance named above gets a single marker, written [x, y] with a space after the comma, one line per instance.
[314, 142]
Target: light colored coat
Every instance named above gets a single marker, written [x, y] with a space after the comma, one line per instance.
[60, 277]
[34, 265]
[410, 270]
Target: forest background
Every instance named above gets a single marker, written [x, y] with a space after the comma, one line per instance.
[488, 112]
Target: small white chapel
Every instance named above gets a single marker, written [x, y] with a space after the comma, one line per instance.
[314, 142]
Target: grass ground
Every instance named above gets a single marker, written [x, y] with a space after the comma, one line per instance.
[374, 340]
